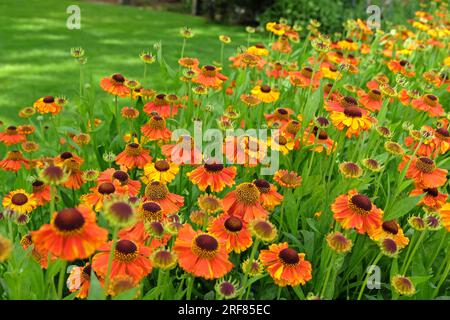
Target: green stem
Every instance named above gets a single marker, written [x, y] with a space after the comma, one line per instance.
[327, 277]
[250, 261]
[110, 259]
[361, 291]
[61, 279]
[444, 236]
[444, 275]
[190, 287]
[413, 252]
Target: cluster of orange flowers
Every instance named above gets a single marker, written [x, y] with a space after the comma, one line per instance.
[148, 222]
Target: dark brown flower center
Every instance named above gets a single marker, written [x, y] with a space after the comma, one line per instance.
[289, 256]
[162, 165]
[323, 135]
[210, 68]
[227, 288]
[432, 192]
[118, 78]
[49, 99]
[120, 175]
[151, 207]
[69, 219]
[19, 199]
[322, 121]
[106, 188]
[213, 167]
[390, 227]
[37, 184]
[353, 112]
[389, 246]
[157, 228]
[121, 210]
[443, 132]
[206, 242]
[425, 165]
[403, 63]
[362, 202]
[233, 224]
[53, 172]
[66, 155]
[282, 111]
[126, 246]
[260, 46]
[262, 185]
[349, 102]
[265, 88]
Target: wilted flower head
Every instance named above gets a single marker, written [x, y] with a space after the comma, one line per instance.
[90, 175]
[339, 242]
[77, 52]
[119, 212]
[109, 157]
[53, 175]
[417, 223]
[263, 230]
[371, 164]
[350, 170]
[164, 259]
[250, 30]
[403, 285]
[186, 32]
[147, 57]
[394, 148]
[227, 289]
[433, 221]
[388, 247]
[254, 268]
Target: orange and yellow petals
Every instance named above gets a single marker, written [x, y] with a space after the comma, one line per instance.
[236, 236]
[114, 87]
[444, 213]
[216, 181]
[213, 262]
[278, 262]
[132, 161]
[80, 243]
[364, 219]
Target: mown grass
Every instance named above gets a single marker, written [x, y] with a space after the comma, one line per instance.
[35, 46]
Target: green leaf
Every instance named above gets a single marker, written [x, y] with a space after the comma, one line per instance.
[128, 294]
[419, 279]
[95, 290]
[403, 207]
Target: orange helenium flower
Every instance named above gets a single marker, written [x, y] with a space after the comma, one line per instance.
[134, 156]
[130, 258]
[285, 265]
[244, 202]
[354, 210]
[12, 136]
[424, 172]
[201, 254]
[72, 234]
[115, 85]
[233, 230]
[212, 175]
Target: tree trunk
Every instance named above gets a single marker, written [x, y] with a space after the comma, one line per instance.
[194, 10]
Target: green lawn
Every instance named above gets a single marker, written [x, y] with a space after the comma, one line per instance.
[35, 46]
